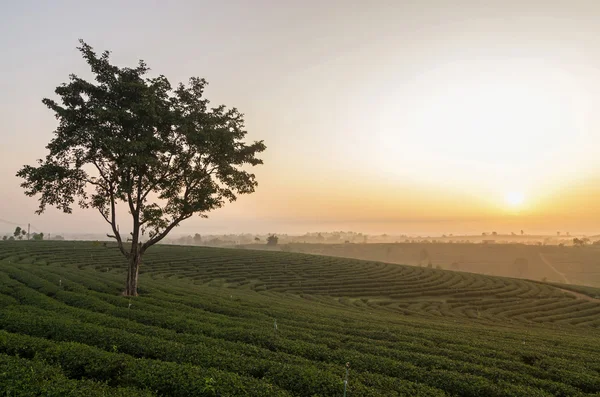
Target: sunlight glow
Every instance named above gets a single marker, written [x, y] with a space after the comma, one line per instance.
[480, 124]
[514, 199]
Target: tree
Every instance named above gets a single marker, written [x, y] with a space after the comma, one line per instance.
[4, 238]
[580, 242]
[132, 139]
[17, 233]
[37, 236]
[272, 240]
[197, 239]
[11, 238]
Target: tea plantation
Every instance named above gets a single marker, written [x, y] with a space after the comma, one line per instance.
[219, 322]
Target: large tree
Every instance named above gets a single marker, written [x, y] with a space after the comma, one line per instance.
[133, 139]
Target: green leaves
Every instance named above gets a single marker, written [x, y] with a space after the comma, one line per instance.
[57, 184]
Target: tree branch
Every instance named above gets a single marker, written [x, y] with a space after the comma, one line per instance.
[161, 235]
[113, 216]
[113, 224]
[167, 173]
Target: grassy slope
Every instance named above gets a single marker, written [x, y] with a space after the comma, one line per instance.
[205, 325]
[569, 265]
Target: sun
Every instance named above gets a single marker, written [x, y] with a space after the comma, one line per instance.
[514, 199]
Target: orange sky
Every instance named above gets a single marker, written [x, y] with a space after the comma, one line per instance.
[380, 117]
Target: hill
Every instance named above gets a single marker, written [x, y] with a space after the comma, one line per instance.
[224, 322]
[567, 265]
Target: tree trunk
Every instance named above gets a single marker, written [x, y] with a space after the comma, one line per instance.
[132, 273]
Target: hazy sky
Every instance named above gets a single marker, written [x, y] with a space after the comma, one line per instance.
[380, 116]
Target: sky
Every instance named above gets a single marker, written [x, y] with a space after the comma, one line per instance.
[417, 117]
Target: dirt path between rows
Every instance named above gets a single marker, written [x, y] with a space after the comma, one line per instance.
[551, 266]
[579, 295]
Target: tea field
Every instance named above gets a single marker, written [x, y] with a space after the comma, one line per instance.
[553, 263]
[226, 322]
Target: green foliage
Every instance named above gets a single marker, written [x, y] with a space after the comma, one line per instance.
[19, 233]
[272, 240]
[37, 236]
[22, 377]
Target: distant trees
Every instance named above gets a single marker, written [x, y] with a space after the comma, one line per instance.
[272, 240]
[197, 239]
[580, 242]
[257, 239]
[37, 236]
[494, 234]
[19, 233]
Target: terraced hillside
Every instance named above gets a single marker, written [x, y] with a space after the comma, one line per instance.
[234, 322]
[568, 265]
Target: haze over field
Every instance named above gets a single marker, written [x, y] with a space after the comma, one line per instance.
[381, 117]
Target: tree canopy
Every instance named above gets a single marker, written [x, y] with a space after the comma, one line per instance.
[128, 138]
[272, 240]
